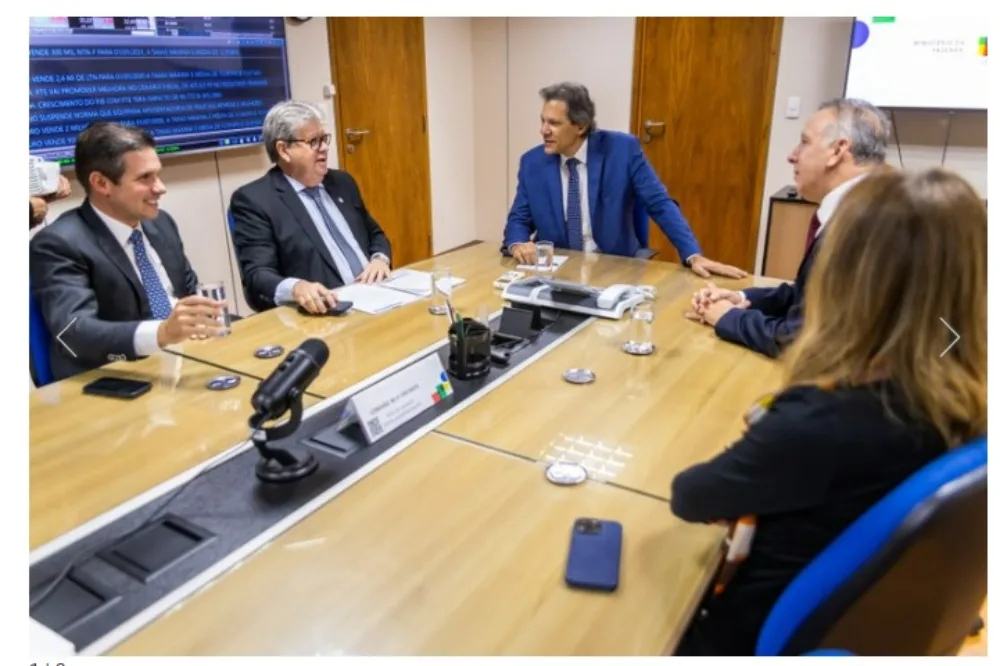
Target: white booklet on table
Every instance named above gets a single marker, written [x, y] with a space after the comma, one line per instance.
[417, 283]
[374, 299]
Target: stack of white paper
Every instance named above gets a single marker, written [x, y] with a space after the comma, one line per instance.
[374, 299]
[557, 261]
[418, 283]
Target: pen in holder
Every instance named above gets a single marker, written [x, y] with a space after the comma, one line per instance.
[469, 348]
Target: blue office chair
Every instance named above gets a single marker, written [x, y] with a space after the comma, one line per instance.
[640, 222]
[907, 578]
[232, 237]
[39, 344]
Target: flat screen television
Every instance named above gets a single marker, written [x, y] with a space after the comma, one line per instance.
[919, 63]
[195, 83]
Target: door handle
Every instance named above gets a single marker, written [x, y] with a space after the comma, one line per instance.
[355, 133]
[650, 126]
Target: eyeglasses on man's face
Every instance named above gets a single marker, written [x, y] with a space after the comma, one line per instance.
[316, 142]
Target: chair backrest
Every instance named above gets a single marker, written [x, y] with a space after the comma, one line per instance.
[907, 578]
[39, 344]
[640, 223]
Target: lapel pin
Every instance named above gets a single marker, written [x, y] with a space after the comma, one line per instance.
[340, 199]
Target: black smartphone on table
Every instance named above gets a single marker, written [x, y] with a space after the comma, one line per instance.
[117, 387]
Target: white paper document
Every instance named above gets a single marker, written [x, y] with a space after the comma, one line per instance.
[418, 282]
[373, 299]
[557, 261]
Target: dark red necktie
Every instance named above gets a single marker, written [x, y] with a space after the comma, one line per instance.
[813, 230]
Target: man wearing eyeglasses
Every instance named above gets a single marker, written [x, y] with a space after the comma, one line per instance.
[302, 229]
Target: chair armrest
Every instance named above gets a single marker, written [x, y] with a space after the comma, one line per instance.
[645, 253]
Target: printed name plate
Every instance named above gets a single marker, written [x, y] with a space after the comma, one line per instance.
[382, 408]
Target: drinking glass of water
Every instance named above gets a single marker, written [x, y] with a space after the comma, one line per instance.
[545, 253]
[640, 331]
[217, 292]
[440, 291]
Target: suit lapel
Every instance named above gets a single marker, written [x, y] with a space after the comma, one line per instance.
[291, 199]
[109, 245]
[595, 164]
[553, 180]
[171, 264]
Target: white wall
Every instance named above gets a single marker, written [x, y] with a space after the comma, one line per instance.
[490, 120]
[596, 52]
[448, 46]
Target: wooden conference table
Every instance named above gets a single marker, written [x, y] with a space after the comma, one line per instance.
[457, 545]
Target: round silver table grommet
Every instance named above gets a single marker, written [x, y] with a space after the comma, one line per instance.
[579, 376]
[269, 351]
[639, 348]
[566, 473]
[223, 382]
[438, 309]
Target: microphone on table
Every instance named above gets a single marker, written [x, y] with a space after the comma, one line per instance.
[280, 392]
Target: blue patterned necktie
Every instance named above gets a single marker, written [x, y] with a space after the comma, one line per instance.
[159, 302]
[574, 213]
[338, 238]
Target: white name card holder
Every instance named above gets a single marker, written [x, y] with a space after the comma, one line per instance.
[387, 405]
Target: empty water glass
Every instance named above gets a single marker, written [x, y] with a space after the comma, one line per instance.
[217, 292]
[545, 253]
[440, 291]
[640, 332]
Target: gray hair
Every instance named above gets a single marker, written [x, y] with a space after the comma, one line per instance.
[284, 120]
[579, 106]
[864, 125]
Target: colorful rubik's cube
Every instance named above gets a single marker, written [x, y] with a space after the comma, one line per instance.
[982, 47]
[442, 390]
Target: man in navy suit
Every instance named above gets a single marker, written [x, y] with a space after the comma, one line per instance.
[842, 142]
[579, 189]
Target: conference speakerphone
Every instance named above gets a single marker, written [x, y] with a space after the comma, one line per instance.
[610, 303]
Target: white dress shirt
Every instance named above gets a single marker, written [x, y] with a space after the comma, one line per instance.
[144, 340]
[828, 206]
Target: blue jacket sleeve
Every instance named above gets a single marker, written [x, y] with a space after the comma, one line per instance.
[773, 301]
[758, 331]
[519, 222]
[659, 204]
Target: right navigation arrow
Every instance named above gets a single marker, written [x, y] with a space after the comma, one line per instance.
[953, 332]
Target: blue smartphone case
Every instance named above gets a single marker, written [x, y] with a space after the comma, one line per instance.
[595, 552]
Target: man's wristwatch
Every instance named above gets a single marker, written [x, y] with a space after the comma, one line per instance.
[379, 255]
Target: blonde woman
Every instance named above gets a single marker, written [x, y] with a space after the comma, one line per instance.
[869, 397]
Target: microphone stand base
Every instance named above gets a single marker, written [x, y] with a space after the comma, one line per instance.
[271, 471]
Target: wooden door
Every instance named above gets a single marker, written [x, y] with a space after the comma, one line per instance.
[381, 118]
[703, 94]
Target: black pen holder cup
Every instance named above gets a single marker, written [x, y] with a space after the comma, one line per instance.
[469, 353]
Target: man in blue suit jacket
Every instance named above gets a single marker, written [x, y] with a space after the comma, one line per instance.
[842, 142]
[579, 189]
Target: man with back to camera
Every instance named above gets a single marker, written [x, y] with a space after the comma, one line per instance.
[842, 142]
[302, 229]
[580, 187]
[108, 275]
